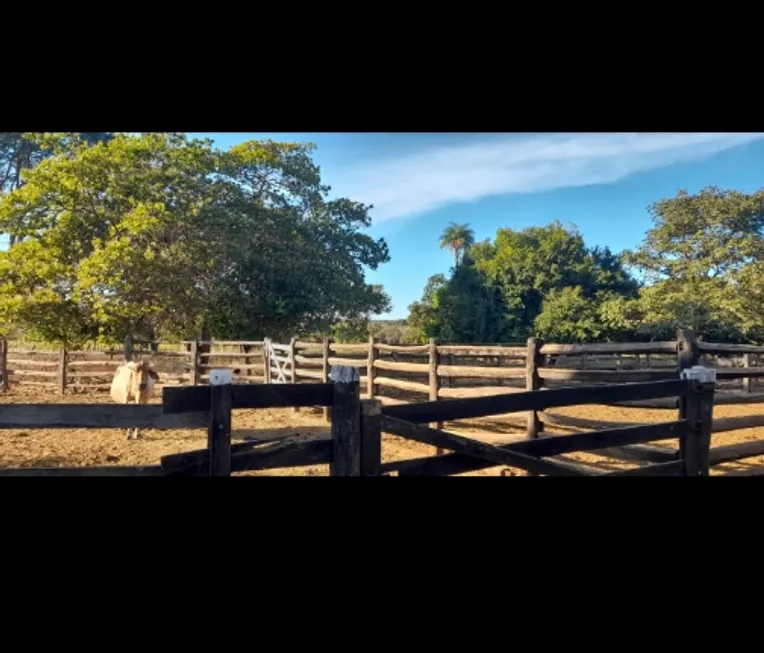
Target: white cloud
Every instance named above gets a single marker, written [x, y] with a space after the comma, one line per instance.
[499, 165]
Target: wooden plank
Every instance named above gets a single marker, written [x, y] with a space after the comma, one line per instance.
[371, 437]
[723, 424]
[404, 349]
[346, 423]
[461, 371]
[582, 423]
[455, 409]
[478, 391]
[359, 347]
[46, 375]
[723, 348]
[419, 368]
[351, 362]
[672, 468]
[296, 453]
[465, 350]
[110, 364]
[411, 386]
[32, 363]
[97, 416]
[309, 360]
[325, 369]
[627, 376]
[144, 470]
[731, 452]
[310, 374]
[455, 463]
[666, 347]
[197, 398]
[371, 371]
[497, 455]
[304, 344]
[740, 373]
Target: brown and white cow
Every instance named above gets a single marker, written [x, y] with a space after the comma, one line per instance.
[133, 382]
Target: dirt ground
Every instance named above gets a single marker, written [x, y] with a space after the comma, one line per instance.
[84, 447]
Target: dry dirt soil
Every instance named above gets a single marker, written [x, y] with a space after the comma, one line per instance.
[83, 447]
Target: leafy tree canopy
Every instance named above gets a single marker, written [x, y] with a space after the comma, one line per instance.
[157, 234]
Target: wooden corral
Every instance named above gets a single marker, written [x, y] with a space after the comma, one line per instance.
[400, 375]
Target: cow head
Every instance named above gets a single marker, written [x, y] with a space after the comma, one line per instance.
[141, 372]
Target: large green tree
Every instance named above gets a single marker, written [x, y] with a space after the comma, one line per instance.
[701, 260]
[157, 234]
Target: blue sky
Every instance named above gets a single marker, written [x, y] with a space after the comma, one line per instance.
[602, 183]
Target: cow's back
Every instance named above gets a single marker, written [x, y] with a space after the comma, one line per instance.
[120, 385]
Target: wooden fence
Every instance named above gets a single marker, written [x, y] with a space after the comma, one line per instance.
[400, 374]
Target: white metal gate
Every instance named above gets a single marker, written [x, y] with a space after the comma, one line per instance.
[280, 362]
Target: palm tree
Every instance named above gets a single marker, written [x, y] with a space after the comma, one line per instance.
[458, 238]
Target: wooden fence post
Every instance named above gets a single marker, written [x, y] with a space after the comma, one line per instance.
[687, 353]
[325, 375]
[62, 370]
[747, 379]
[194, 354]
[266, 360]
[433, 359]
[219, 433]
[292, 356]
[697, 406]
[4, 363]
[371, 373]
[346, 422]
[128, 348]
[533, 360]
[371, 437]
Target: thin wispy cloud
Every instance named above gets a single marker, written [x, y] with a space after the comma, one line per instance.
[434, 178]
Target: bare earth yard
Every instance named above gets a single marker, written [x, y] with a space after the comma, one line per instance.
[83, 447]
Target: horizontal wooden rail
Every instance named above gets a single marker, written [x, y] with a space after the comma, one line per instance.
[496, 455]
[466, 350]
[482, 372]
[197, 398]
[293, 453]
[580, 422]
[403, 349]
[348, 347]
[478, 391]
[740, 373]
[454, 409]
[722, 348]
[419, 368]
[668, 347]
[630, 376]
[401, 384]
[351, 362]
[723, 424]
[97, 416]
[673, 468]
[732, 452]
[619, 443]
[727, 399]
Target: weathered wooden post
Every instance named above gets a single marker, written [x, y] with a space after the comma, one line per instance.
[697, 406]
[62, 370]
[533, 360]
[747, 379]
[346, 422]
[687, 353]
[434, 362]
[267, 360]
[4, 363]
[371, 372]
[219, 433]
[128, 348]
[194, 355]
[325, 369]
[371, 437]
[292, 358]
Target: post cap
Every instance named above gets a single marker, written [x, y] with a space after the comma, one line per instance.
[344, 374]
[700, 373]
[221, 377]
